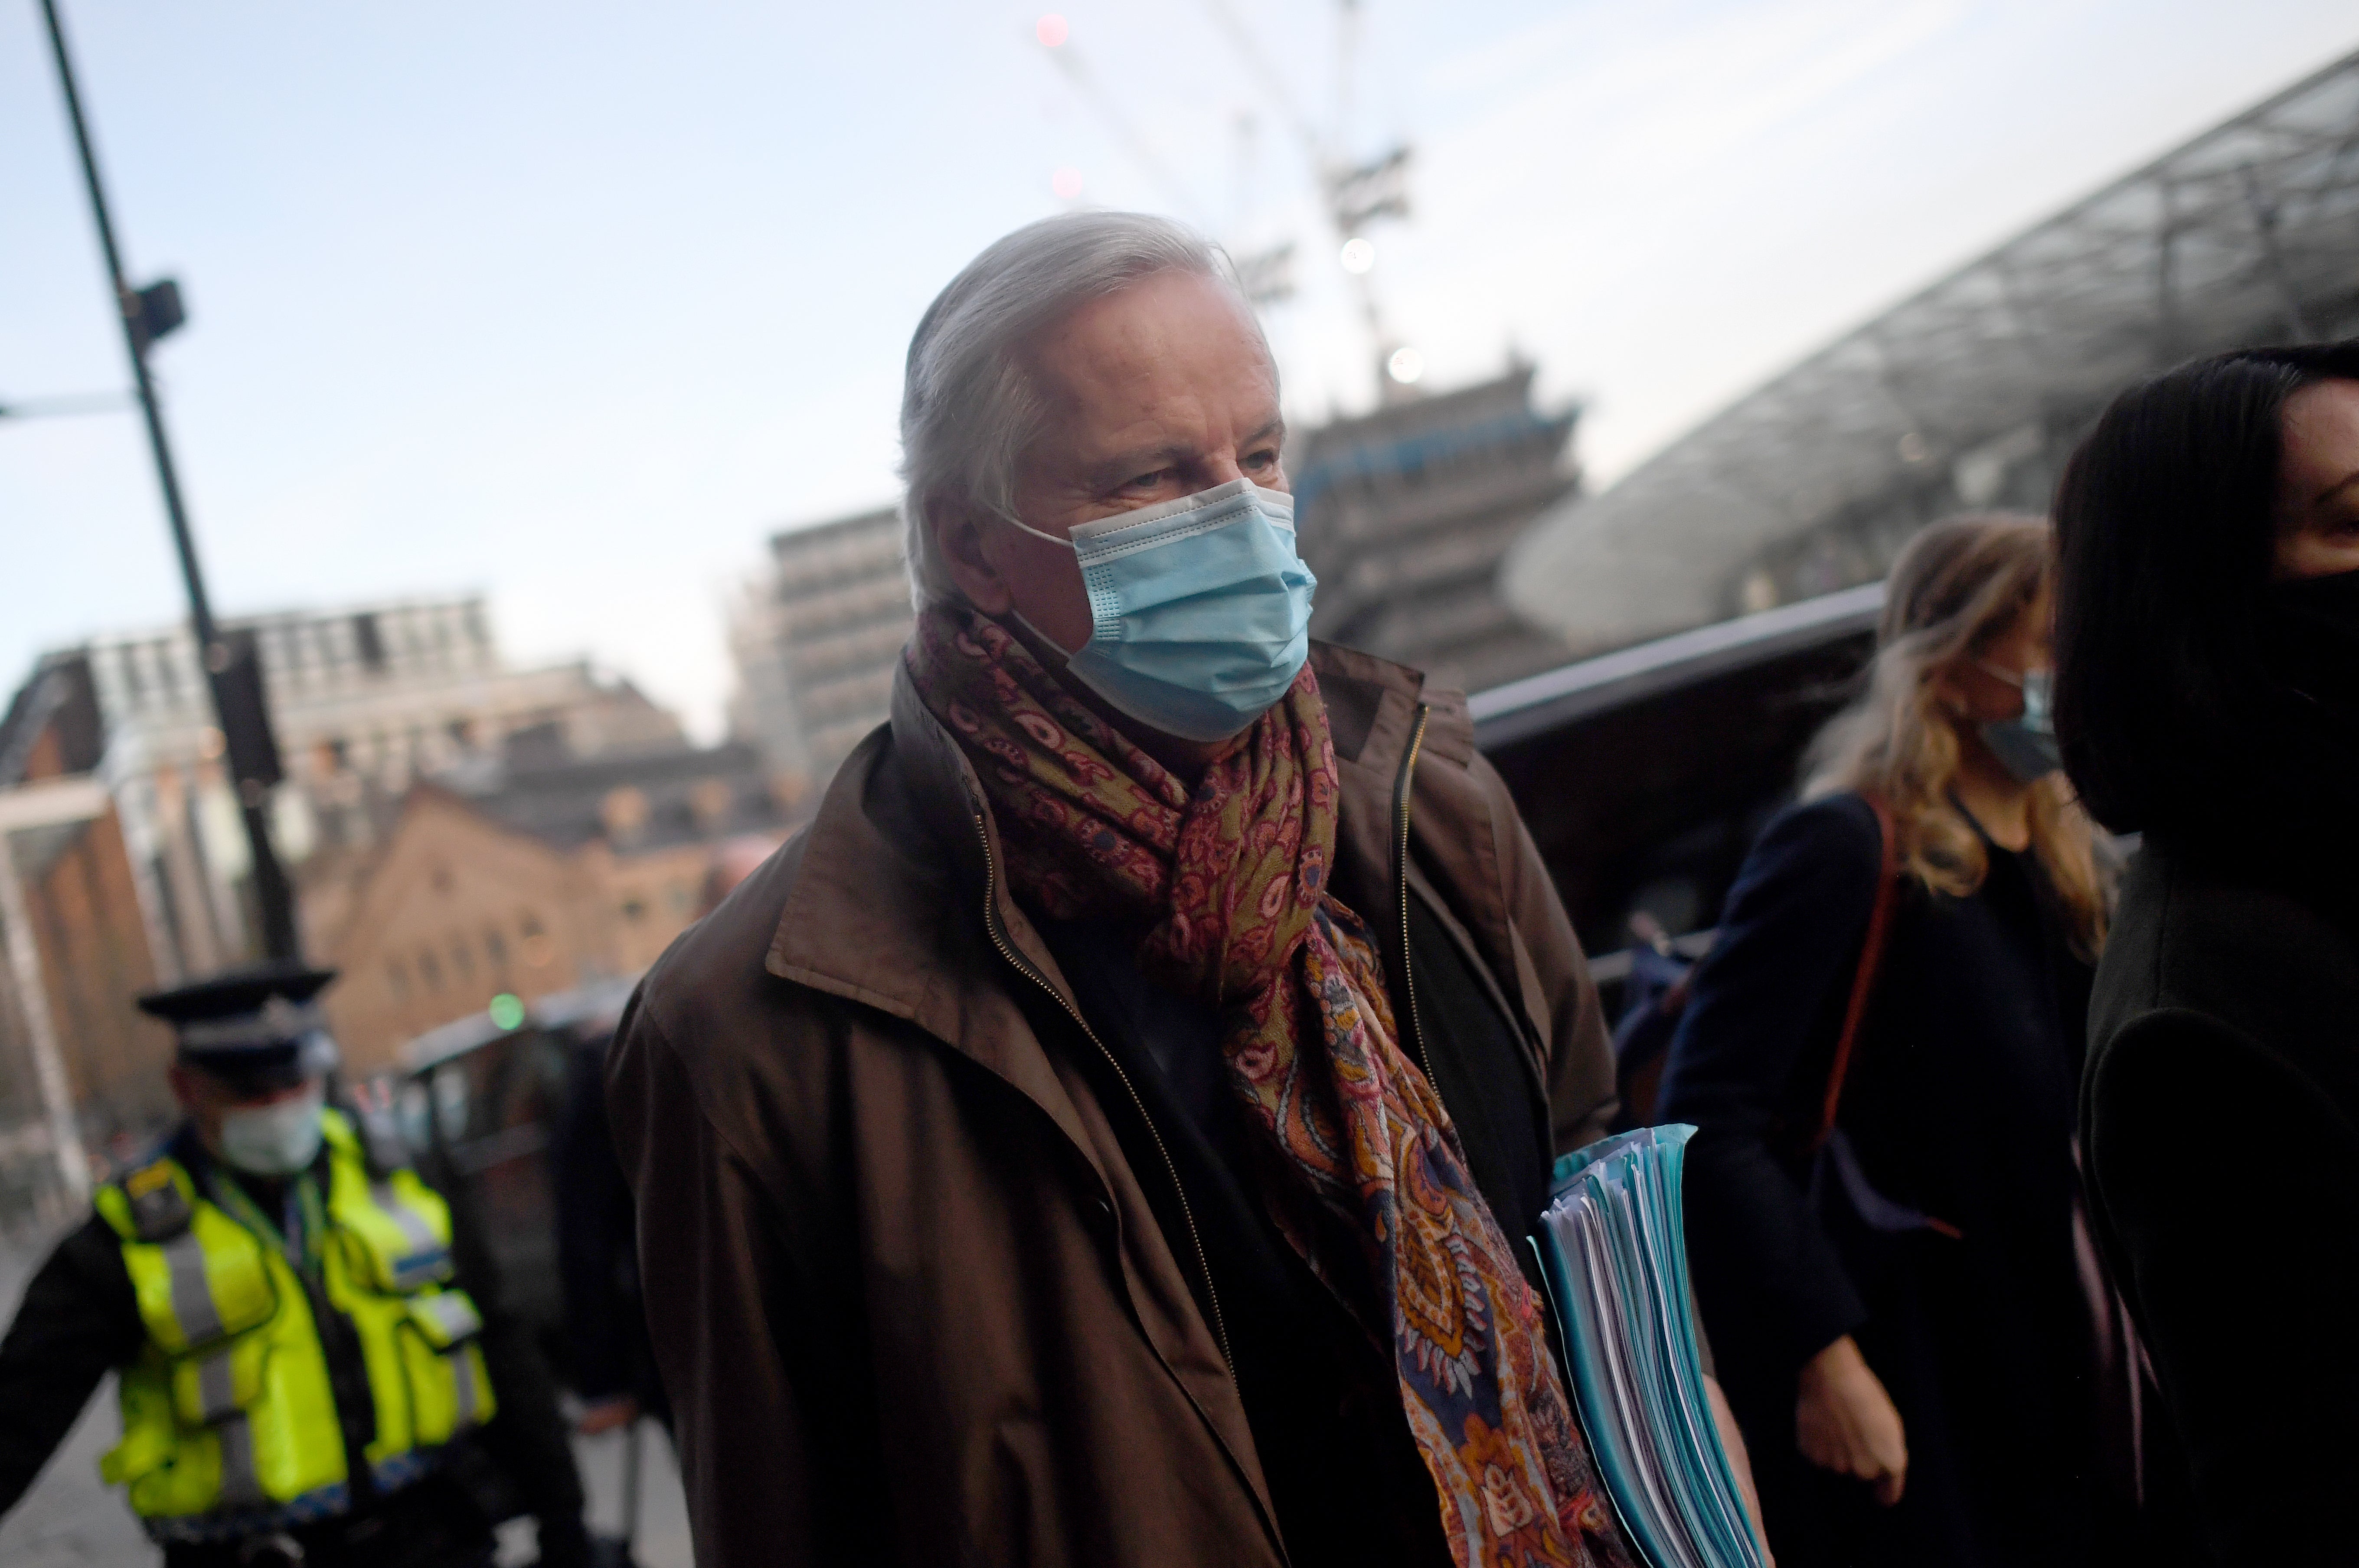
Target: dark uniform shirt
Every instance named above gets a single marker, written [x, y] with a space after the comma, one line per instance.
[80, 1320]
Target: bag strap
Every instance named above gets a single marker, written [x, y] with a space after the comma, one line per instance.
[1871, 958]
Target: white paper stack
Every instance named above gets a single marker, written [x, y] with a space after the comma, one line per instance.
[1616, 1262]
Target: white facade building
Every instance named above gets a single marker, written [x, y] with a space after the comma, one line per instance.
[815, 639]
[363, 702]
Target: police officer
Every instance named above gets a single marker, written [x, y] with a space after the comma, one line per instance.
[311, 1363]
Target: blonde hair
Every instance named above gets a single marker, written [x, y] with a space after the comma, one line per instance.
[1959, 586]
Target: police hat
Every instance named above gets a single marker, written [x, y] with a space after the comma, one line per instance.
[255, 1028]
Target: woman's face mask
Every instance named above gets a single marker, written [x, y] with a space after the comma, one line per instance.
[2026, 744]
[2313, 642]
[1200, 609]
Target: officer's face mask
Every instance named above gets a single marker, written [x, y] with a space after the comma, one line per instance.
[276, 1139]
[2025, 745]
[1200, 609]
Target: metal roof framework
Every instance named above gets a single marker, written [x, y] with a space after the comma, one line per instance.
[2249, 233]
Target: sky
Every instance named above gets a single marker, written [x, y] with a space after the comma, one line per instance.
[575, 306]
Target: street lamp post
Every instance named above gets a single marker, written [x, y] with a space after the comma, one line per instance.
[232, 672]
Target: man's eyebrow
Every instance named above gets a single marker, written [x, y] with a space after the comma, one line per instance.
[1130, 464]
[2332, 491]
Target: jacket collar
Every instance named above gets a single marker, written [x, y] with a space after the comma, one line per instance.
[886, 902]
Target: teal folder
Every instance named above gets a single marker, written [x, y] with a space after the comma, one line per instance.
[1614, 1260]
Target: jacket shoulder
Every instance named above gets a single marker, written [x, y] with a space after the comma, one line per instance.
[711, 983]
[2250, 961]
[1841, 827]
[1827, 854]
[85, 1276]
[840, 934]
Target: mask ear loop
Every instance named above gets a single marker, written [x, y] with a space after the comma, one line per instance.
[1021, 619]
[1995, 673]
[2022, 683]
[1022, 527]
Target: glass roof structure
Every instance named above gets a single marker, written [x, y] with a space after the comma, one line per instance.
[1970, 393]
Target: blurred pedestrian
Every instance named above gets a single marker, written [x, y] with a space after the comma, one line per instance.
[1654, 995]
[1880, 1053]
[280, 1294]
[2207, 698]
[1108, 1131]
[613, 1367]
[614, 1363]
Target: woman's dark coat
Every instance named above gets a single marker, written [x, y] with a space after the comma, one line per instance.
[1960, 1104]
[2220, 1116]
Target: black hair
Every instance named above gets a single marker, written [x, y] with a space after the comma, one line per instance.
[2166, 534]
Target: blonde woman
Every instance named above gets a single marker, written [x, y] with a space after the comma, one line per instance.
[1893, 1296]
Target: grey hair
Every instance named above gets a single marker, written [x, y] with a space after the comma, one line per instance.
[968, 410]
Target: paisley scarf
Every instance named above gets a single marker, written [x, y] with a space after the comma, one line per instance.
[1361, 1168]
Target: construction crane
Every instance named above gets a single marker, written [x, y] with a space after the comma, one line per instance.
[1355, 194]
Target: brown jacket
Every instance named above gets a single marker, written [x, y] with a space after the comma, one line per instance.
[910, 1301]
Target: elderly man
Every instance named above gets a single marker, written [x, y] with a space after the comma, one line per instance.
[1107, 1134]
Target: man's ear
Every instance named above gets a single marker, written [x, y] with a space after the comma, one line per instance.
[957, 530]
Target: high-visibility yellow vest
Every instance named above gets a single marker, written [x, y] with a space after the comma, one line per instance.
[229, 1419]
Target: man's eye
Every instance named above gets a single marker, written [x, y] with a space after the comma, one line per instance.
[1147, 481]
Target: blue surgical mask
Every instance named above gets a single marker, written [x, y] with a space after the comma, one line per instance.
[276, 1139]
[1200, 609]
[2025, 745]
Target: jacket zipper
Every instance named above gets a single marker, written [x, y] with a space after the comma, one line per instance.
[1195, 1241]
[1400, 819]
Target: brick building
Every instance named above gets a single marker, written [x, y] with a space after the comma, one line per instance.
[364, 701]
[81, 1067]
[533, 880]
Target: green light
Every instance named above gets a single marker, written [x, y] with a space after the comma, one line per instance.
[507, 1011]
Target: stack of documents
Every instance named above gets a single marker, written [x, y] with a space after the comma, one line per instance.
[1616, 1266]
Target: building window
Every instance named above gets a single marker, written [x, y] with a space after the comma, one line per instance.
[430, 968]
[537, 949]
[495, 947]
[635, 908]
[462, 958]
[368, 640]
[397, 979]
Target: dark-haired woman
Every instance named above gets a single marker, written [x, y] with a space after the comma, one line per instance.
[2208, 697]
[1912, 1359]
